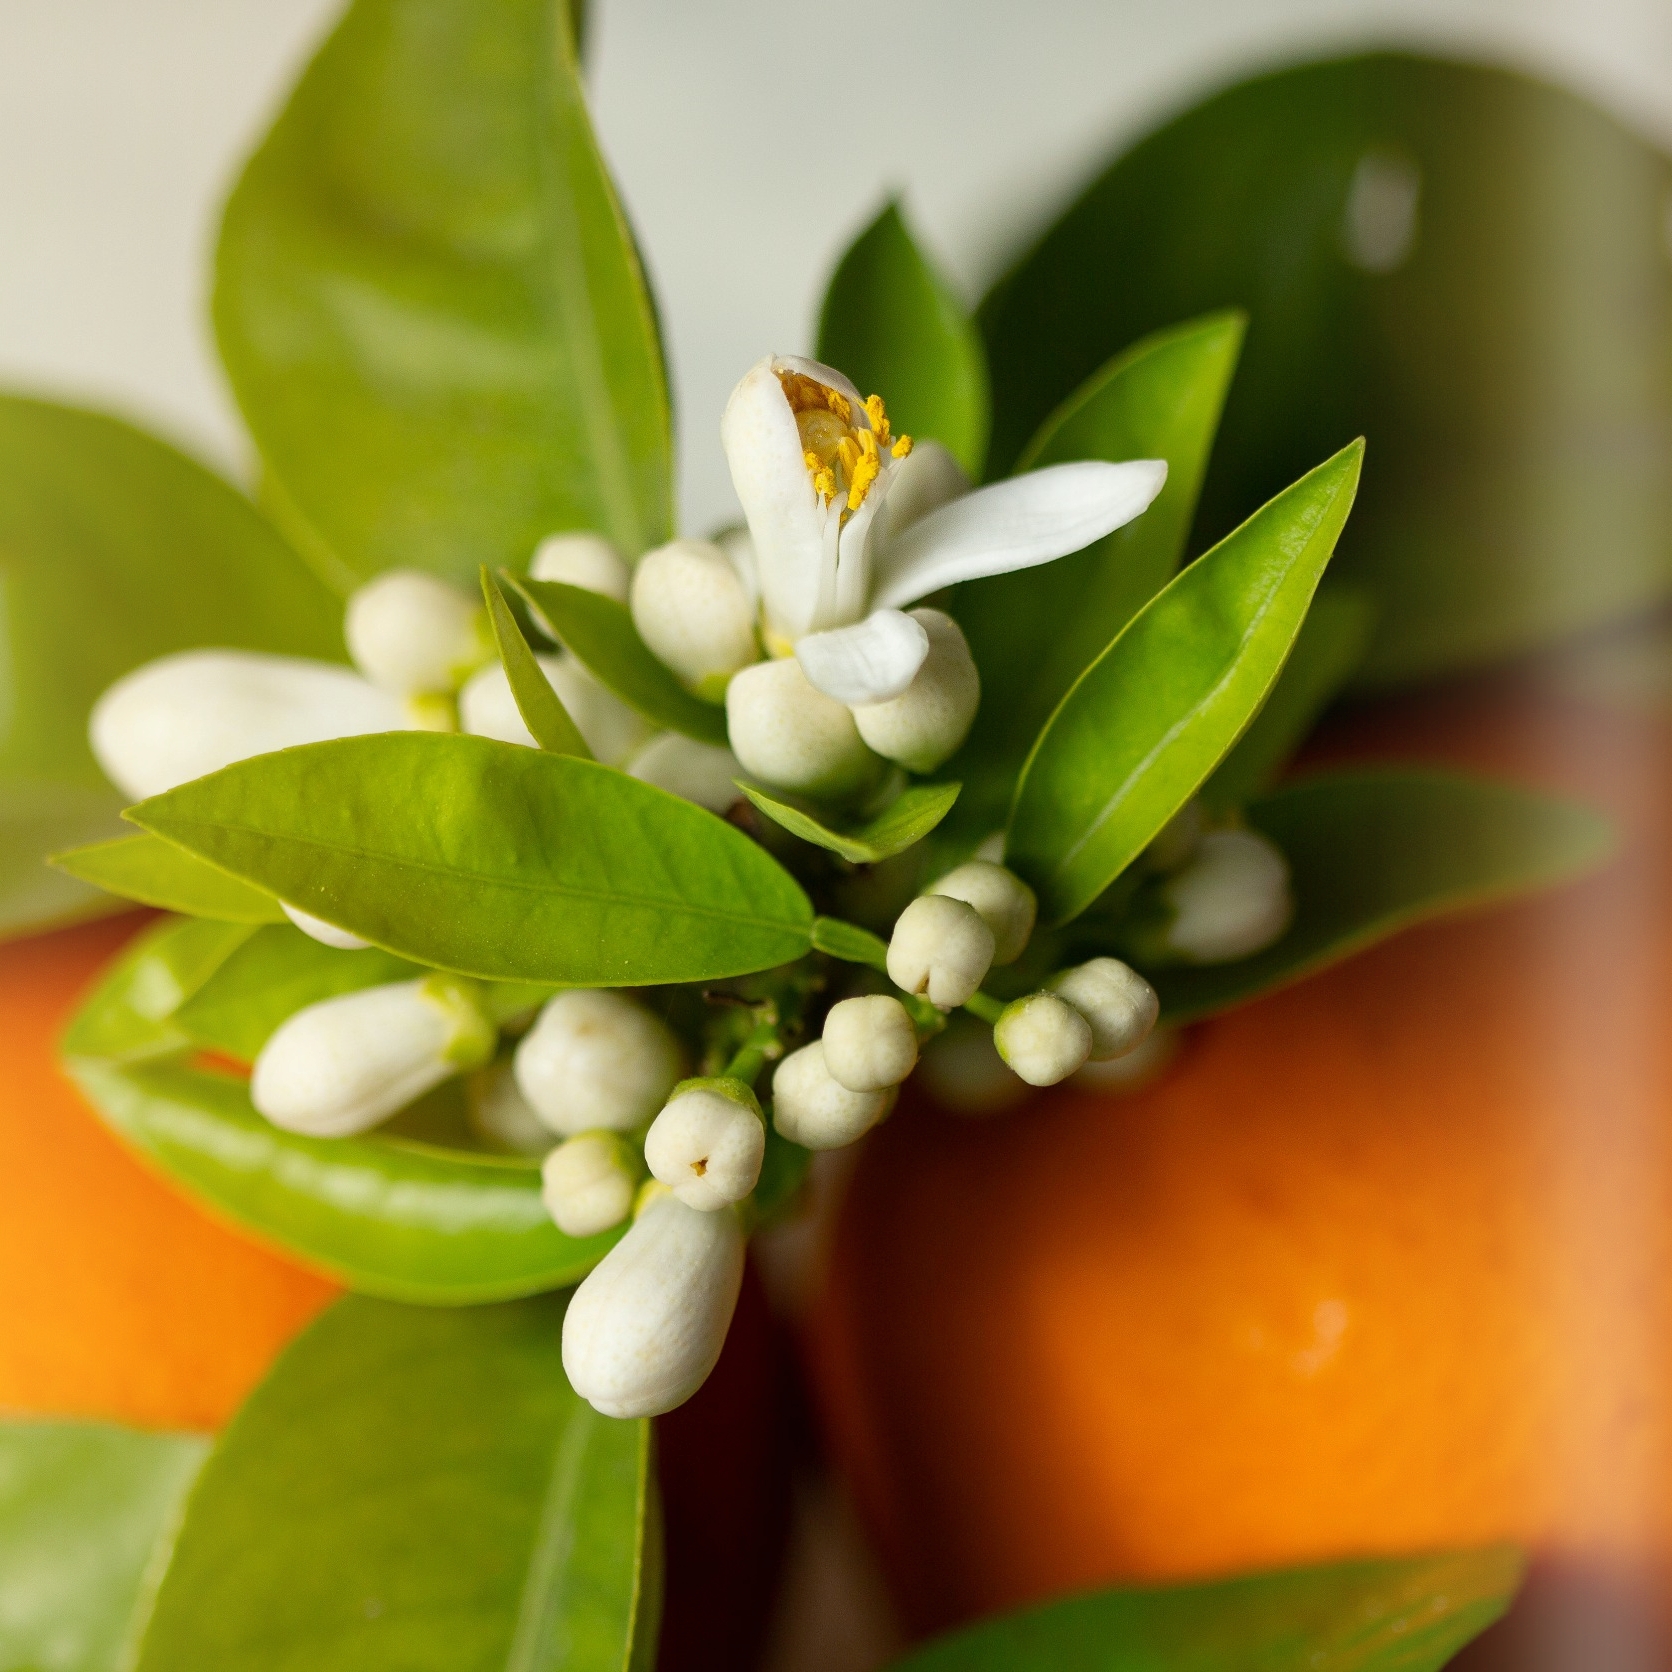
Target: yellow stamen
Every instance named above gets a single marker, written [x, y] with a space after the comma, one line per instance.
[839, 404]
[834, 449]
[901, 447]
[847, 450]
[824, 479]
[861, 477]
[878, 414]
[867, 442]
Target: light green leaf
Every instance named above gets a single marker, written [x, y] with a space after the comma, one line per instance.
[906, 820]
[88, 1514]
[1372, 852]
[430, 306]
[541, 708]
[1410, 1614]
[156, 873]
[495, 861]
[850, 943]
[892, 323]
[600, 634]
[1148, 721]
[416, 1491]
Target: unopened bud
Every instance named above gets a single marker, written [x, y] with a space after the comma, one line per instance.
[1230, 900]
[413, 635]
[585, 560]
[596, 1058]
[1043, 1038]
[941, 949]
[1118, 1003]
[695, 614]
[346, 1063]
[870, 1043]
[811, 1107]
[791, 735]
[327, 934]
[706, 1145]
[501, 1116]
[1007, 905]
[699, 772]
[923, 726]
[587, 1183]
[611, 730]
[646, 1326]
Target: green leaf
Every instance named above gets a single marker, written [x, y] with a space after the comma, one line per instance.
[541, 708]
[600, 634]
[88, 1514]
[905, 821]
[156, 873]
[430, 306]
[850, 943]
[415, 1491]
[495, 861]
[1372, 852]
[114, 549]
[1034, 633]
[1148, 721]
[1406, 1615]
[892, 323]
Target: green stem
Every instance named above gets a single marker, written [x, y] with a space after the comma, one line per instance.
[754, 1054]
[984, 1005]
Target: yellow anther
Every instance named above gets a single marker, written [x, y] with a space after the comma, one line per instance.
[867, 442]
[824, 485]
[839, 404]
[847, 450]
[901, 447]
[878, 414]
[860, 479]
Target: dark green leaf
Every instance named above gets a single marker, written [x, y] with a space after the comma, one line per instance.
[600, 634]
[496, 861]
[430, 306]
[1372, 852]
[415, 1491]
[1148, 721]
[894, 326]
[156, 873]
[541, 708]
[1406, 1615]
[87, 1517]
[906, 820]
[850, 943]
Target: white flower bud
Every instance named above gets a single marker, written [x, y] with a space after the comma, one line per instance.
[414, 635]
[699, 772]
[694, 612]
[501, 1116]
[788, 734]
[586, 560]
[941, 948]
[1042, 1038]
[1230, 899]
[811, 1107]
[182, 716]
[870, 1043]
[1120, 1004]
[327, 934]
[646, 1326]
[924, 725]
[612, 730]
[344, 1064]
[1006, 903]
[588, 1183]
[596, 1058]
[706, 1145]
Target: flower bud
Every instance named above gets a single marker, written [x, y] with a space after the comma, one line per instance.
[811, 1107]
[870, 1043]
[182, 716]
[646, 1326]
[699, 772]
[1118, 1003]
[694, 612]
[501, 1116]
[344, 1064]
[1230, 899]
[327, 934]
[588, 1183]
[788, 734]
[611, 730]
[924, 725]
[412, 635]
[586, 560]
[706, 1145]
[1006, 903]
[596, 1058]
[941, 949]
[1043, 1038]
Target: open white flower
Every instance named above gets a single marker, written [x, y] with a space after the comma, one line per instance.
[850, 523]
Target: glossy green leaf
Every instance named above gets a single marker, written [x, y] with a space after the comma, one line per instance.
[850, 943]
[88, 1514]
[494, 860]
[541, 708]
[1148, 721]
[600, 633]
[114, 549]
[156, 873]
[1034, 633]
[430, 306]
[1372, 852]
[905, 821]
[416, 1491]
[892, 323]
[1410, 1614]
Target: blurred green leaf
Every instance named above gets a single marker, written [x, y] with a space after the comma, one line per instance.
[541, 708]
[913, 813]
[430, 306]
[156, 873]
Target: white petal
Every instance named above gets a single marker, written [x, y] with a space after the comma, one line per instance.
[872, 661]
[699, 772]
[1017, 524]
[927, 478]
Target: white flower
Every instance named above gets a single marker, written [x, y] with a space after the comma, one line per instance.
[1229, 899]
[1118, 1003]
[706, 1146]
[327, 934]
[610, 729]
[1006, 903]
[596, 1058]
[1043, 1038]
[811, 1107]
[413, 635]
[870, 1043]
[923, 726]
[500, 1114]
[584, 560]
[699, 772]
[694, 613]
[941, 948]
[646, 1326]
[587, 1183]
[794, 737]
